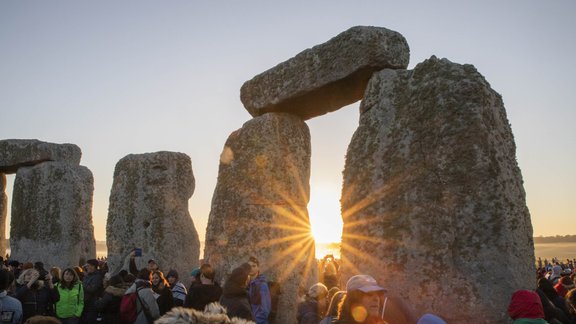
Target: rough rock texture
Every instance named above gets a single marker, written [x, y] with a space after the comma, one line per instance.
[3, 213]
[15, 153]
[328, 76]
[149, 209]
[259, 206]
[52, 214]
[433, 202]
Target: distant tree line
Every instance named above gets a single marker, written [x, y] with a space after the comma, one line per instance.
[555, 239]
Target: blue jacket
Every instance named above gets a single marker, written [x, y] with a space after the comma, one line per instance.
[10, 309]
[260, 300]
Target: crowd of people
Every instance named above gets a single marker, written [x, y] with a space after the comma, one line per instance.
[89, 294]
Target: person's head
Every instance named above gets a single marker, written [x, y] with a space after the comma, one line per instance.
[547, 288]
[330, 269]
[27, 265]
[55, 272]
[79, 272]
[172, 277]
[115, 281]
[6, 279]
[144, 274]
[92, 265]
[27, 275]
[13, 264]
[430, 319]
[195, 274]
[363, 300]
[158, 279]
[69, 278]
[254, 266]
[319, 293]
[239, 276]
[207, 274]
[152, 265]
[525, 304]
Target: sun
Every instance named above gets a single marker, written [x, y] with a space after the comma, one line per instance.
[324, 211]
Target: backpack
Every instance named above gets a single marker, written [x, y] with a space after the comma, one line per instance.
[128, 307]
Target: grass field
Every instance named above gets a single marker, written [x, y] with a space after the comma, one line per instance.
[561, 251]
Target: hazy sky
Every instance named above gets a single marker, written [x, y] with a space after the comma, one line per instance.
[122, 77]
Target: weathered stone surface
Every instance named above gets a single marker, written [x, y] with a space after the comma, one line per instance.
[259, 206]
[15, 153]
[328, 76]
[433, 197]
[149, 209]
[3, 213]
[52, 214]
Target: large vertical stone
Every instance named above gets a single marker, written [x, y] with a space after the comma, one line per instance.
[3, 213]
[149, 210]
[52, 214]
[259, 205]
[433, 202]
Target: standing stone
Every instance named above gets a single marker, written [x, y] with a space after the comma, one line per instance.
[52, 214]
[3, 213]
[15, 153]
[149, 210]
[328, 76]
[259, 206]
[433, 203]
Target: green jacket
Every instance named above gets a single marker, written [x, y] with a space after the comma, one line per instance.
[71, 301]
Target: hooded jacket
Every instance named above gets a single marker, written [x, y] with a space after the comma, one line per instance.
[71, 303]
[260, 299]
[109, 304]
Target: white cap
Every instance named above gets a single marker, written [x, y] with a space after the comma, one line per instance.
[364, 283]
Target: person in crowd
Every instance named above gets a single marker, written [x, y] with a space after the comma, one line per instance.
[234, 296]
[552, 314]
[260, 299]
[179, 291]
[109, 305]
[367, 302]
[194, 277]
[525, 308]
[10, 307]
[430, 319]
[312, 309]
[330, 267]
[71, 303]
[146, 307]
[79, 272]
[556, 274]
[37, 295]
[559, 310]
[571, 303]
[332, 311]
[204, 293]
[15, 267]
[564, 285]
[93, 287]
[162, 292]
[363, 302]
[133, 269]
[56, 274]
